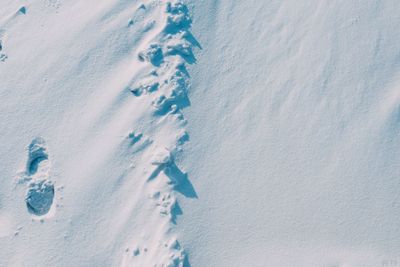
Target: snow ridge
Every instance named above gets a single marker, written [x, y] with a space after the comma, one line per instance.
[165, 83]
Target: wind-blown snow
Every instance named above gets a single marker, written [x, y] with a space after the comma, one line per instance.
[295, 134]
[92, 129]
[291, 108]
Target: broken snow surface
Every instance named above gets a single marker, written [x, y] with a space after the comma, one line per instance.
[200, 133]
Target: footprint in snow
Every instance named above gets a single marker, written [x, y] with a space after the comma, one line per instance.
[40, 194]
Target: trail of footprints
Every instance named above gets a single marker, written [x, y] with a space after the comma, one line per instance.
[168, 81]
[167, 84]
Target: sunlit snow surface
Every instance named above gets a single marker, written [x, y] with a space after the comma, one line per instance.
[92, 94]
[294, 127]
[200, 133]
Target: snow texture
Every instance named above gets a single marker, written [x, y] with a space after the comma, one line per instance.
[96, 90]
[284, 113]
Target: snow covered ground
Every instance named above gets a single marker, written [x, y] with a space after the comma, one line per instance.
[199, 133]
[91, 125]
[294, 127]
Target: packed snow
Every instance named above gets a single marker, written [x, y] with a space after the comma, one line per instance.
[92, 98]
[178, 133]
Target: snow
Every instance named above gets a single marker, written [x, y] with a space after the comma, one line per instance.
[90, 176]
[199, 133]
[294, 129]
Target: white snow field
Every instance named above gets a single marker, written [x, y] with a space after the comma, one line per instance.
[173, 133]
[91, 130]
[294, 130]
